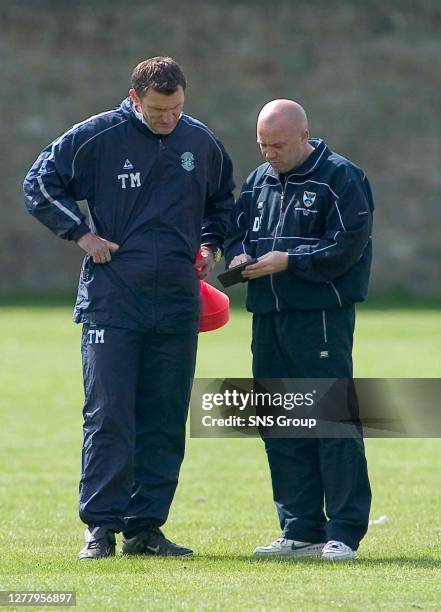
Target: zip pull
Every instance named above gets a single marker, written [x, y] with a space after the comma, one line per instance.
[161, 144]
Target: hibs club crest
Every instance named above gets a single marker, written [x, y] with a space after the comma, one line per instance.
[187, 161]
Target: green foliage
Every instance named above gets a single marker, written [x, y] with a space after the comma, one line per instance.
[223, 506]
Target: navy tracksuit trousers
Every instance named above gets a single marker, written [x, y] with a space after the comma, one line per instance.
[312, 475]
[137, 389]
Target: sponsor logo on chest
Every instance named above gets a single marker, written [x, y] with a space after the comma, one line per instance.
[129, 180]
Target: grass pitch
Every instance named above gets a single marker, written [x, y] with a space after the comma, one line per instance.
[223, 506]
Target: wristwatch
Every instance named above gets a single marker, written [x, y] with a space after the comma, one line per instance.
[217, 253]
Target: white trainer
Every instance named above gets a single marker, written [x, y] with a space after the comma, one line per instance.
[337, 551]
[289, 548]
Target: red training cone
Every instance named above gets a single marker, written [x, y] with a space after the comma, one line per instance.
[215, 308]
[215, 305]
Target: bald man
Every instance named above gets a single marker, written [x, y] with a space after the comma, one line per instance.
[306, 215]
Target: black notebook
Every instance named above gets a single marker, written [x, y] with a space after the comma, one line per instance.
[233, 275]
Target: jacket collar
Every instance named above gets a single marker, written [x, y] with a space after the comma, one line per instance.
[140, 117]
[314, 161]
[138, 120]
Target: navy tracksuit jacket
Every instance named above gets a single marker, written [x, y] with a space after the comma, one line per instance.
[151, 195]
[303, 324]
[159, 198]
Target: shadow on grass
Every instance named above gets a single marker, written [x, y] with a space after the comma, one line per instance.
[402, 561]
[221, 563]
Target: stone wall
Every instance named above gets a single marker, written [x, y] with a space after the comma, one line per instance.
[366, 72]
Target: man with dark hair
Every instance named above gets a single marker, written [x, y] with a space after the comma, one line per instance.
[159, 186]
[159, 73]
[306, 215]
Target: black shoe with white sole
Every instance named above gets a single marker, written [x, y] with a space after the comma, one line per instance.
[100, 543]
[152, 542]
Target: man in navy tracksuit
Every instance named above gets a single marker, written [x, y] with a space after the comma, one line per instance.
[158, 185]
[306, 214]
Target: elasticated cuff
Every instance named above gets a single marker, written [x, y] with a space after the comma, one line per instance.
[79, 232]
